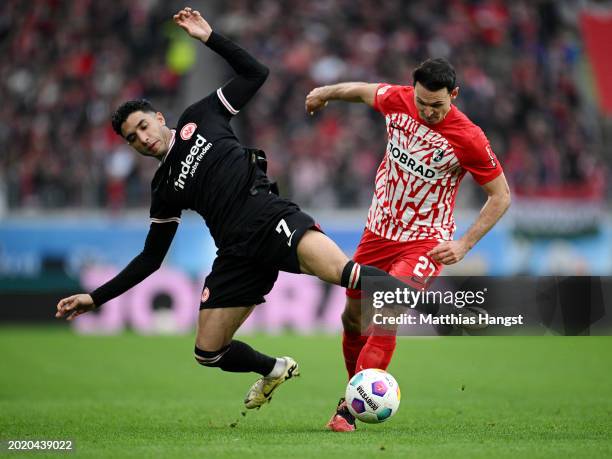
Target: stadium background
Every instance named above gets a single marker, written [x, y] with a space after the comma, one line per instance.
[73, 198]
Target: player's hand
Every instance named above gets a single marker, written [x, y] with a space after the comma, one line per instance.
[74, 306]
[448, 252]
[315, 100]
[193, 23]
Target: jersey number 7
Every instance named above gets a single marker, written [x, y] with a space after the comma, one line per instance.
[282, 227]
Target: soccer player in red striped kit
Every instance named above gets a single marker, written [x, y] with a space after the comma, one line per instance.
[409, 231]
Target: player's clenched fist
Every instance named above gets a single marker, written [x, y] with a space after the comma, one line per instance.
[193, 23]
[74, 306]
[448, 252]
[315, 100]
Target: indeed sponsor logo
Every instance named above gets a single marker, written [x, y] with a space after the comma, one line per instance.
[410, 163]
[190, 164]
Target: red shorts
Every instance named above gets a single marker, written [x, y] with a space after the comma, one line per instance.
[400, 259]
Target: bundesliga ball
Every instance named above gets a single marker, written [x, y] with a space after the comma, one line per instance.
[372, 395]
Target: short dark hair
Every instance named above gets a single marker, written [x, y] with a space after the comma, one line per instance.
[435, 74]
[127, 108]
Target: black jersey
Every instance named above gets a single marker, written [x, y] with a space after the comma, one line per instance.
[207, 170]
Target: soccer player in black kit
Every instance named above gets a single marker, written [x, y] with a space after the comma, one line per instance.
[203, 167]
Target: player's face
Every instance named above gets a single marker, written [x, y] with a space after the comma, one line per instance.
[433, 105]
[144, 133]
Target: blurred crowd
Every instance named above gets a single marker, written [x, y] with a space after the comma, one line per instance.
[67, 64]
[517, 63]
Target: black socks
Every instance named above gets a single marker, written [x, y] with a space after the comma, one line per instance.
[237, 357]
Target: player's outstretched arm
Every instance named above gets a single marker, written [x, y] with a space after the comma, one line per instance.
[142, 266]
[348, 92]
[450, 252]
[251, 73]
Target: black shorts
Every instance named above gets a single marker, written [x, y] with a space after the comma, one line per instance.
[242, 279]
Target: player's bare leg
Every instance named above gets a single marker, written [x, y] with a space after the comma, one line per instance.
[353, 338]
[321, 257]
[217, 326]
[352, 343]
[216, 348]
[351, 316]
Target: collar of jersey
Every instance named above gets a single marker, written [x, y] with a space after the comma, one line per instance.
[171, 145]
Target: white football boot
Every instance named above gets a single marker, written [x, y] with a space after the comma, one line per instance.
[261, 392]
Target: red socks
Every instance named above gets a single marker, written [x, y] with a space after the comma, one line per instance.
[362, 352]
[352, 344]
[376, 353]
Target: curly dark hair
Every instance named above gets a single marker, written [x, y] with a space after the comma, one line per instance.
[127, 108]
[435, 74]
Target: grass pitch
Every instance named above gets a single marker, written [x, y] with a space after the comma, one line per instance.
[135, 396]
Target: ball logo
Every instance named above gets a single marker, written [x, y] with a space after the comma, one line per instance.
[379, 388]
[205, 295]
[188, 130]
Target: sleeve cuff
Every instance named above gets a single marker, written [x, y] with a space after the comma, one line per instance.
[165, 220]
[226, 103]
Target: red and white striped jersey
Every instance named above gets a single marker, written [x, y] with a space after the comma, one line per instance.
[417, 180]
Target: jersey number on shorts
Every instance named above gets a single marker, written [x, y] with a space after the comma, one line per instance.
[424, 264]
[283, 227]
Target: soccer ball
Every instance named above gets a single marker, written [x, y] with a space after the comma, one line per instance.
[372, 396]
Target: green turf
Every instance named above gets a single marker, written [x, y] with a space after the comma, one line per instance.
[136, 396]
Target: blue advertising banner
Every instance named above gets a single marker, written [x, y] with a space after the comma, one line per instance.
[42, 260]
